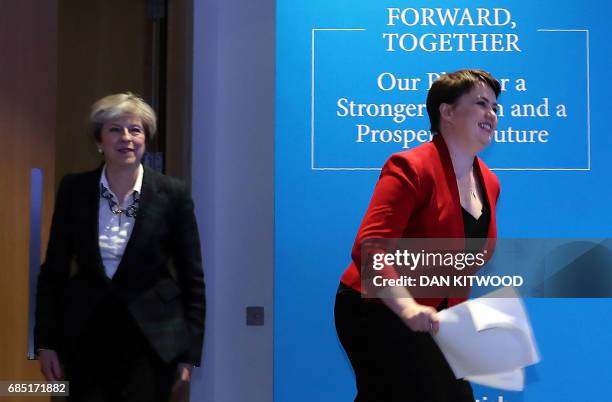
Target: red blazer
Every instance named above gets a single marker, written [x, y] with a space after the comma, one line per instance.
[417, 197]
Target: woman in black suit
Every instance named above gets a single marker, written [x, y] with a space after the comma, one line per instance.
[120, 298]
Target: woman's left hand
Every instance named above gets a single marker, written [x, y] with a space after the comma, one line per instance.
[180, 389]
[184, 372]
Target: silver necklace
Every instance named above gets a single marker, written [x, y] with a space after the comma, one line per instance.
[132, 209]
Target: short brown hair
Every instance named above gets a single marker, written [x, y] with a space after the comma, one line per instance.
[450, 87]
[113, 106]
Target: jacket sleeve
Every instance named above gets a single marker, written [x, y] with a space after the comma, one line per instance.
[188, 264]
[53, 275]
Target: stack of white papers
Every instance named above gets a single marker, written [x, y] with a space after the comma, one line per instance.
[489, 340]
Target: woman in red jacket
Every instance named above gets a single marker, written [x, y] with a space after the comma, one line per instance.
[440, 189]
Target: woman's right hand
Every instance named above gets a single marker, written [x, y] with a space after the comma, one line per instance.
[420, 318]
[50, 365]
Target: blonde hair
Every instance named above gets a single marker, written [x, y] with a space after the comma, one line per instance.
[114, 106]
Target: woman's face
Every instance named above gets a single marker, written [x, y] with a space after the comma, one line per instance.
[123, 141]
[473, 117]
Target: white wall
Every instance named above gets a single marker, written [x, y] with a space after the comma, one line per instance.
[233, 188]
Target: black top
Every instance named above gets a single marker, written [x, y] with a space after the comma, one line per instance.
[477, 229]
[476, 232]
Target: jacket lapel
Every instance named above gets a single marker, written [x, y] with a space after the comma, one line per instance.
[487, 187]
[452, 204]
[89, 207]
[143, 225]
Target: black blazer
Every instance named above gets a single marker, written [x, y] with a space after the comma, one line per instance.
[159, 278]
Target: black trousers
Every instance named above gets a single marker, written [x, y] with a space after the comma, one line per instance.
[113, 362]
[391, 362]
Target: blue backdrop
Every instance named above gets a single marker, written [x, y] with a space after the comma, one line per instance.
[554, 57]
